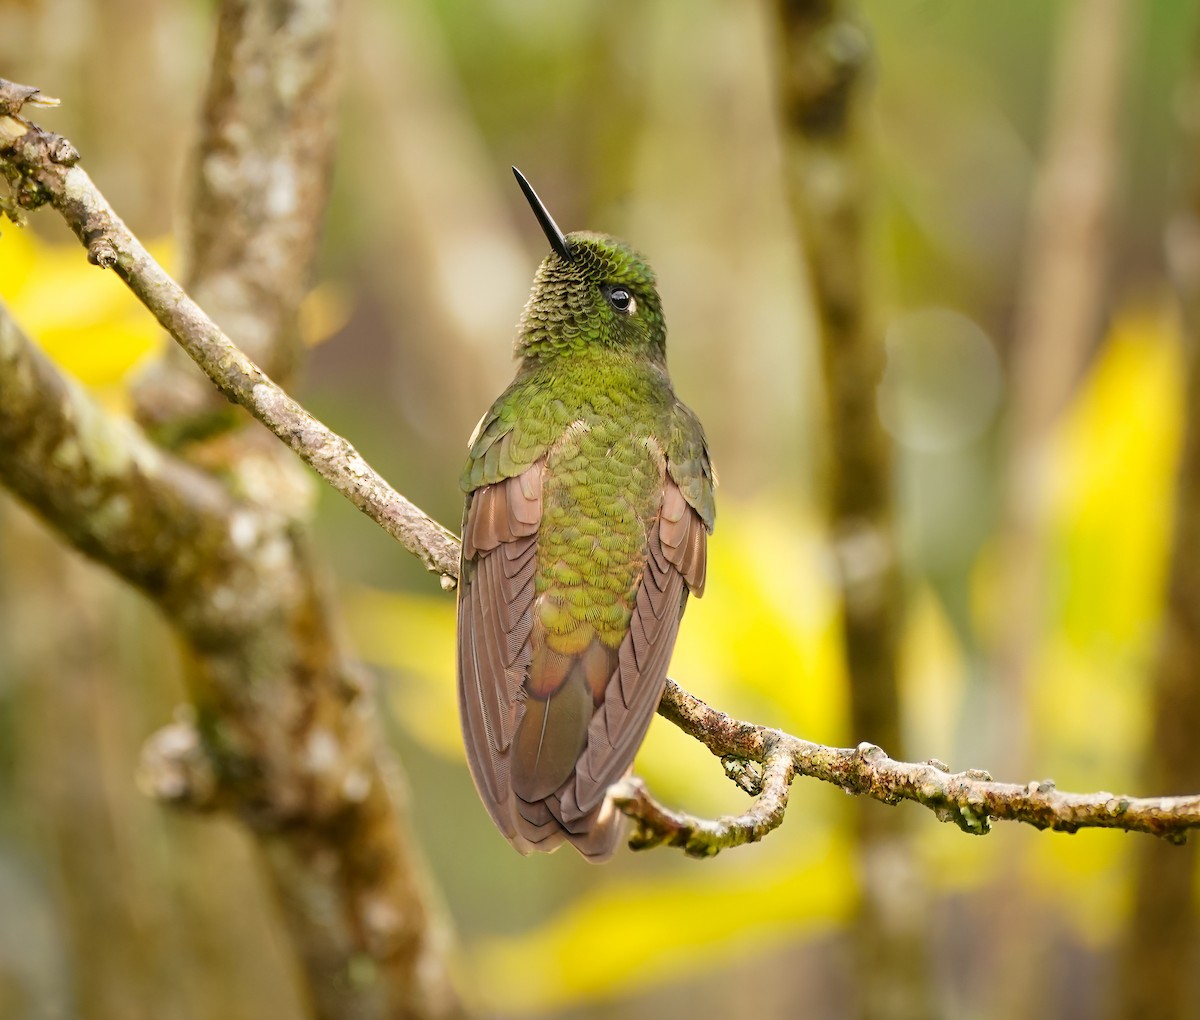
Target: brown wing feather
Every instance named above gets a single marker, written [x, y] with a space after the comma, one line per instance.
[494, 628]
[496, 646]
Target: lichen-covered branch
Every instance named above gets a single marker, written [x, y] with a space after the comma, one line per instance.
[112, 493]
[970, 799]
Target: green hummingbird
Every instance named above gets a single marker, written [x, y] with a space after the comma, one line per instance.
[589, 501]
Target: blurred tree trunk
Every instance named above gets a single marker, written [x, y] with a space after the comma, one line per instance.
[280, 728]
[142, 896]
[824, 64]
[259, 184]
[1158, 973]
[344, 872]
[135, 903]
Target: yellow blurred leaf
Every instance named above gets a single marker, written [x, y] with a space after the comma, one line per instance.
[1113, 473]
[1112, 467]
[765, 641]
[84, 318]
[635, 934]
[931, 670]
[324, 312]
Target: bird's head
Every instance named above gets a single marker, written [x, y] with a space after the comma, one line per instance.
[591, 291]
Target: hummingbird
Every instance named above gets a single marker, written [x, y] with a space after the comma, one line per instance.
[589, 501]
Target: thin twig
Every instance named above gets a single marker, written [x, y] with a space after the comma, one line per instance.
[40, 167]
[970, 799]
[699, 837]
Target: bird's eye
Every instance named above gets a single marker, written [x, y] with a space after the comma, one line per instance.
[622, 300]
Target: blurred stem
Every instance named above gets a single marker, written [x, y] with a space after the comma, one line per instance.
[826, 56]
[260, 182]
[1156, 966]
[1060, 308]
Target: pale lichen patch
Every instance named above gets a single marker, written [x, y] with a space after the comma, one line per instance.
[384, 922]
[78, 188]
[104, 442]
[67, 455]
[224, 599]
[321, 752]
[356, 786]
[113, 514]
[243, 530]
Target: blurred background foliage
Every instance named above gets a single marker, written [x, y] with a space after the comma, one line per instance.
[654, 121]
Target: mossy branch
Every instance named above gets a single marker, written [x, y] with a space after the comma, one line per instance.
[269, 680]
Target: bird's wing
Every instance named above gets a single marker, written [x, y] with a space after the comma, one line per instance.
[498, 448]
[494, 624]
[595, 706]
[690, 466]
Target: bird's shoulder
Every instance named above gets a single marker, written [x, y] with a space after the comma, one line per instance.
[511, 436]
[689, 463]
